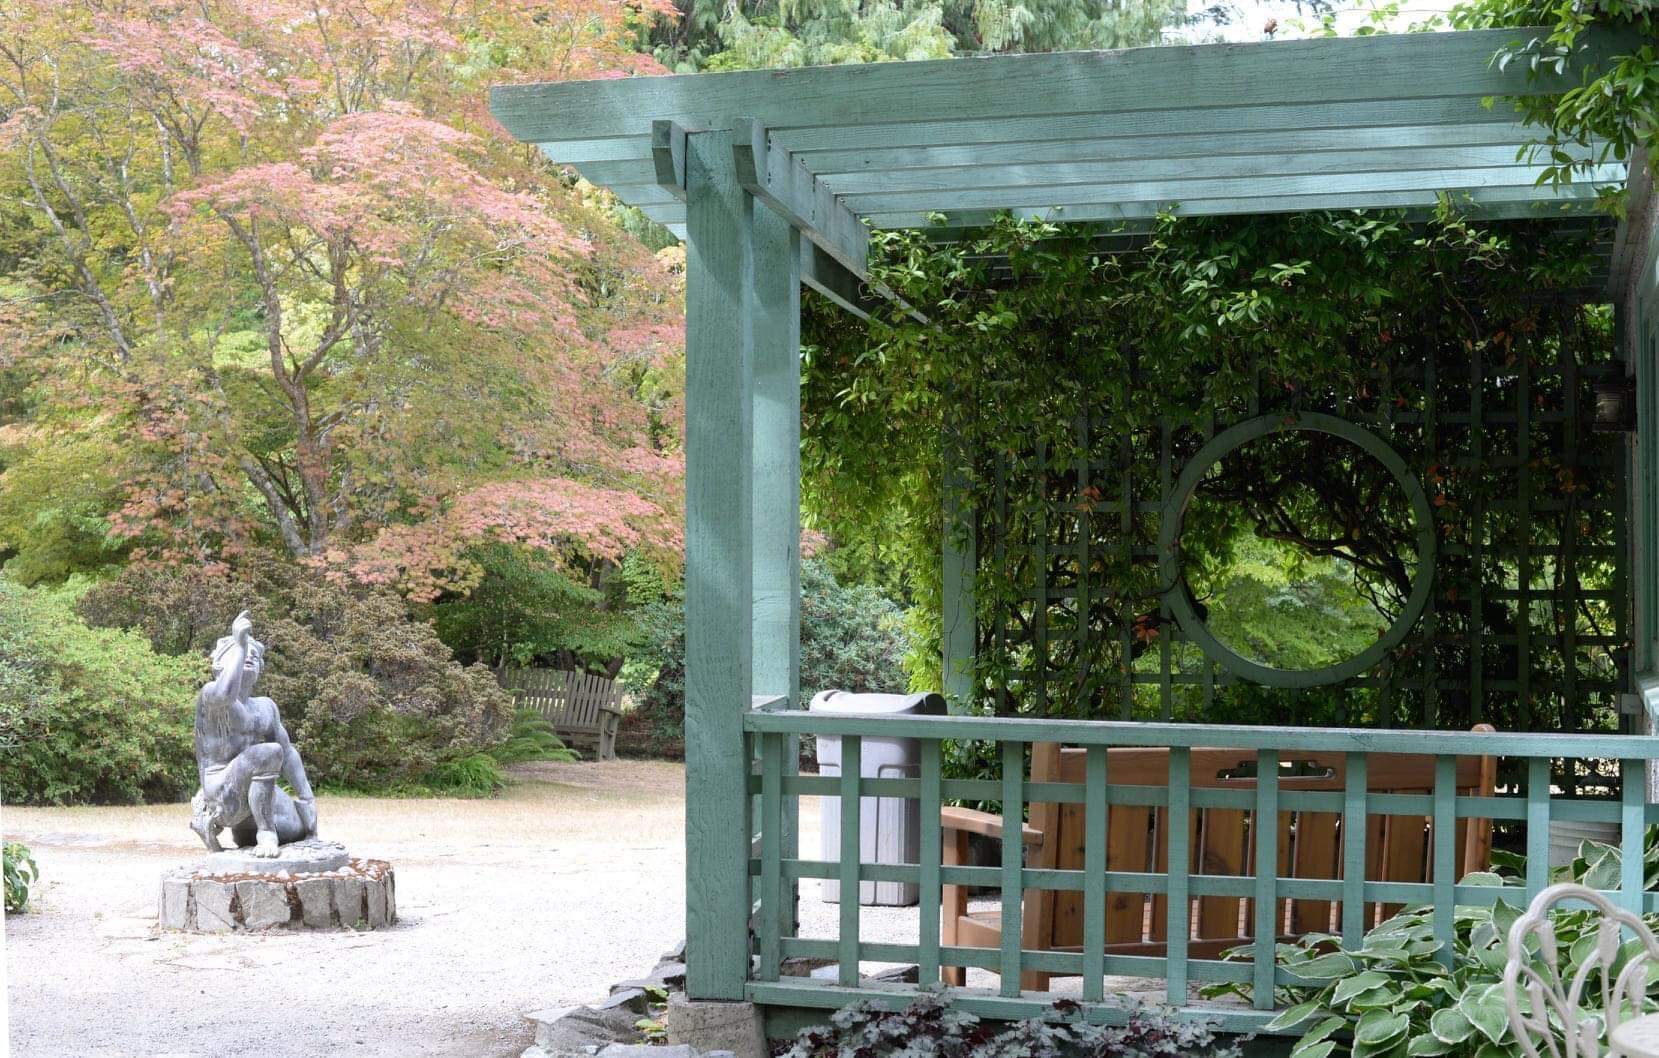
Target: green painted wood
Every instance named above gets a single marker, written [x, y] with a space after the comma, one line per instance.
[667, 160]
[718, 569]
[1265, 824]
[1403, 66]
[1094, 875]
[987, 174]
[776, 909]
[800, 196]
[932, 855]
[1519, 201]
[1013, 859]
[1165, 191]
[824, 274]
[847, 953]
[1445, 854]
[1538, 826]
[1333, 122]
[1353, 850]
[1178, 927]
[773, 309]
[959, 560]
[1228, 736]
[1120, 148]
[1633, 830]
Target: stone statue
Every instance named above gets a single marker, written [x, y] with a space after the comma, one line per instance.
[241, 749]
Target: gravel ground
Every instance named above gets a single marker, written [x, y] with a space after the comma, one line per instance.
[571, 880]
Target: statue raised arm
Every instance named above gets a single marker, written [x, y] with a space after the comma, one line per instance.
[241, 750]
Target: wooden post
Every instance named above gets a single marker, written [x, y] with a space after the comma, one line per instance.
[719, 570]
[776, 319]
[958, 614]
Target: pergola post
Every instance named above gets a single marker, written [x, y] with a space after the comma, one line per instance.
[958, 612]
[776, 317]
[719, 574]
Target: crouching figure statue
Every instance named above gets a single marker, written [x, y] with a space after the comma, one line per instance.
[241, 749]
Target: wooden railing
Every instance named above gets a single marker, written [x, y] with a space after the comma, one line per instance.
[777, 869]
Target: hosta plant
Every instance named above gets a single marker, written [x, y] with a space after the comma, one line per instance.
[1392, 997]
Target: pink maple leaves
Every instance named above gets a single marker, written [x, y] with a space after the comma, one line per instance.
[558, 515]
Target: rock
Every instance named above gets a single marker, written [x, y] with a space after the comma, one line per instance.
[714, 1025]
[312, 856]
[634, 999]
[175, 902]
[262, 904]
[316, 902]
[671, 974]
[675, 954]
[214, 913]
[574, 1029]
[349, 901]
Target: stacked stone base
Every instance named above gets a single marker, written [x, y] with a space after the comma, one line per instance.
[358, 894]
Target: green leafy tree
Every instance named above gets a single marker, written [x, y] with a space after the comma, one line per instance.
[758, 34]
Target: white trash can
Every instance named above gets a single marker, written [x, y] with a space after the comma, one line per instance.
[889, 827]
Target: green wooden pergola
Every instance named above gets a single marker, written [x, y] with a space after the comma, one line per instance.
[776, 178]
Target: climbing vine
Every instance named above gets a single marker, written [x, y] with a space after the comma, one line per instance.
[1614, 107]
[1034, 330]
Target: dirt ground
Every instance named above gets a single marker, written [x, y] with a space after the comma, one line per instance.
[573, 879]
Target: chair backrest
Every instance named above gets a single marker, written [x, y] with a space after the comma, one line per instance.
[1544, 993]
[1309, 843]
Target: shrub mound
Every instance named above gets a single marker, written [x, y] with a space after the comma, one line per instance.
[372, 697]
[88, 714]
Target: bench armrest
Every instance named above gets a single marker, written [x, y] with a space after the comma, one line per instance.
[974, 821]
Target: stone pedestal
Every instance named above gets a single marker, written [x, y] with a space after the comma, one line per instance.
[311, 885]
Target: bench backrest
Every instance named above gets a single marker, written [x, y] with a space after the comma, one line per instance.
[572, 701]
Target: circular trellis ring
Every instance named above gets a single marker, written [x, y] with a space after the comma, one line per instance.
[1178, 596]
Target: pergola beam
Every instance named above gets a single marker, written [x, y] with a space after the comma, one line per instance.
[1403, 67]
[1487, 203]
[1360, 150]
[1055, 174]
[1314, 191]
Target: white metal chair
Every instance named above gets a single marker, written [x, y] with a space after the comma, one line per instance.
[1553, 1023]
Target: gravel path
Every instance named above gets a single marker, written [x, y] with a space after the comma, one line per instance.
[573, 879]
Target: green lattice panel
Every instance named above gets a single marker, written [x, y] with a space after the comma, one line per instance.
[1527, 627]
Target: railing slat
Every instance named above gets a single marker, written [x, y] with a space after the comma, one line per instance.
[851, 766]
[1538, 826]
[1094, 875]
[1013, 860]
[774, 908]
[1445, 854]
[1633, 783]
[1353, 851]
[1266, 824]
[1178, 928]
[932, 854]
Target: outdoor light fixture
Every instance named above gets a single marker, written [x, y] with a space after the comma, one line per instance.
[1615, 405]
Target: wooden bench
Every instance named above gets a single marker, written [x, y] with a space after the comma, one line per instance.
[583, 709]
[1309, 844]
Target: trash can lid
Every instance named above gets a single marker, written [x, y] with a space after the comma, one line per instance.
[849, 704]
